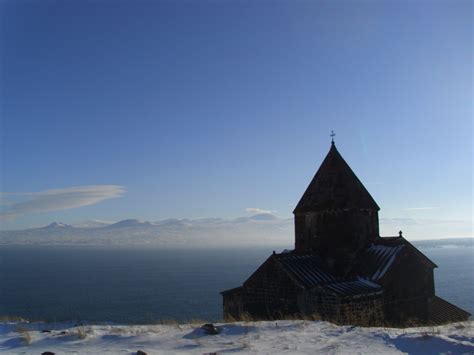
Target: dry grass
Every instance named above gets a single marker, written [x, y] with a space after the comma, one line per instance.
[171, 322]
[195, 321]
[230, 319]
[24, 334]
[11, 319]
[246, 345]
[304, 317]
[412, 322]
[242, 317]
[246, 317]
[81, 332]
[431, 331]
[118, 330]
[134, 330]
[197, 341]
[409, 323]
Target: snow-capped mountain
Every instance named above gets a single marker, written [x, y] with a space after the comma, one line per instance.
[94, 223]
[56, 225]
[205, 232]
[129, 223]
[258, 229]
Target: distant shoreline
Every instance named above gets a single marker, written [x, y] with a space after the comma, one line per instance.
[423, 243]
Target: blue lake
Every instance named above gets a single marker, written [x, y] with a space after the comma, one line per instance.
[138, 285]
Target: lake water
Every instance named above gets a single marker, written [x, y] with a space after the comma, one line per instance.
[145, 285]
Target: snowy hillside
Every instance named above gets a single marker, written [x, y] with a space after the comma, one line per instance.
[290, 337]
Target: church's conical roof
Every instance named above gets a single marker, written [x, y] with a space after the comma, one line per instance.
[335, 187]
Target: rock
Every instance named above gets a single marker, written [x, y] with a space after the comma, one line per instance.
[48, 353]
[210, 329]
[46, 331]
[141, 352]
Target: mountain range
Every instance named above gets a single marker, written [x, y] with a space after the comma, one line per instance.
[259, 229]
[264, 228]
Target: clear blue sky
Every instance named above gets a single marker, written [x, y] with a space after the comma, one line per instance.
[203, 109]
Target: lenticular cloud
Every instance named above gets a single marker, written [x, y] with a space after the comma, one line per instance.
[19, 204]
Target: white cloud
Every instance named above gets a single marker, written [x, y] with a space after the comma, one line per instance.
[420, 208]
[419, 228]
[255, 210]
[4, 201]
[19, 204]
[426, 208]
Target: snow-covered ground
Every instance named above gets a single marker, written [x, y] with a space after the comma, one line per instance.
[291, 337]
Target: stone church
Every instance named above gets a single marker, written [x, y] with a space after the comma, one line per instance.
[341, 270]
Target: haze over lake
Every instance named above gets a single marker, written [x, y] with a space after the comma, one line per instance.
[145, 285]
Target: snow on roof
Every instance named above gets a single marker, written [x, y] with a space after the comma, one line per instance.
[384, 257]
[374, 262]
[307, 269]
[354, 288]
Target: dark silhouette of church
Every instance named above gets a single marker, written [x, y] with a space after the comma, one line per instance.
[341, 270]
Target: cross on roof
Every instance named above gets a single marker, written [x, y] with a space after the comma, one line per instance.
[332, 136]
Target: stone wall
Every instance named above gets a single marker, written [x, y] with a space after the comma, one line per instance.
[365, 311]
[275, 302]
[268, 294]
[409, 284]
[336, 234]
[233, 304]
[359, 310]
